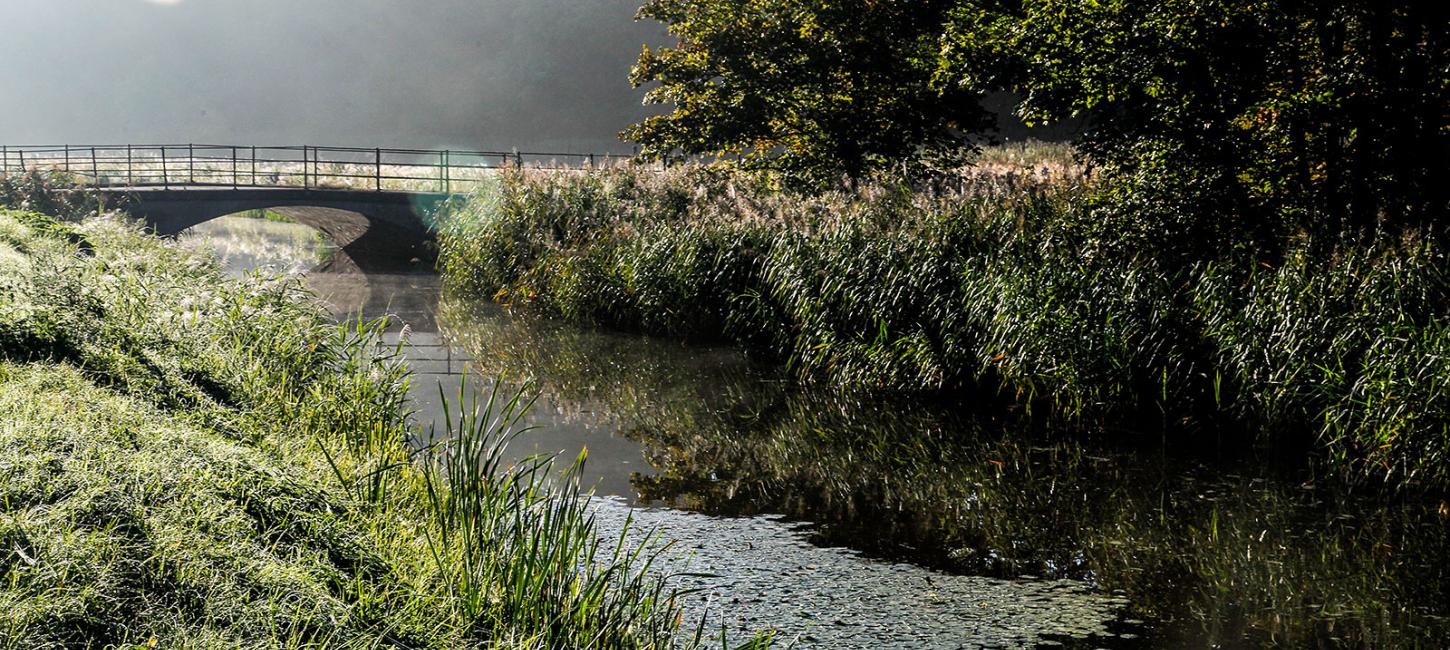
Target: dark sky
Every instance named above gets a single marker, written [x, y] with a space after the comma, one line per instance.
[492, 74]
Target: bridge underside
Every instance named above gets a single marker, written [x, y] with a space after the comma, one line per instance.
[377, 231]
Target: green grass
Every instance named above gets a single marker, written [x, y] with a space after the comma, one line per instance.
[192, 461]
[1029, 287]
[266, 215]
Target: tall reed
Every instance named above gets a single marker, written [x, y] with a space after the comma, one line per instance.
[1032, 287]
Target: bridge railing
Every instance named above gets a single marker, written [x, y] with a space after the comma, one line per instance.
[307, 167]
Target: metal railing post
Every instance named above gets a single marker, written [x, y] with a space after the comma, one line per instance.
[254, 165]
[305, 184]
[165, 176]
[447, 171]
[378, 168]
[234, 168]
[67, 159]
[191, 164]
[130, 169]
[95, 168]
[442, 162]
[21, 153]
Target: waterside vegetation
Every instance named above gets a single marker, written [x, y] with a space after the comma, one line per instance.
[1250, 238]
[1242, 549]
[191, 461]
[261, 240]
[1021, 286]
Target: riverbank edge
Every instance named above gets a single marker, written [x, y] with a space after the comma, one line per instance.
[192, 461]
[1011, 286]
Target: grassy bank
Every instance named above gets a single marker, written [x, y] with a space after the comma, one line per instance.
[1017, 284]
[192, 461]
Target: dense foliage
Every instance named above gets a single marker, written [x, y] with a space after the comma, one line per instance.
[1232, 120]
[814, 89]
[1260, 118]
[49, 194]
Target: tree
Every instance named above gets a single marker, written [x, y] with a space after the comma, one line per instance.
[1234, 119]
[814, 88]
[1269, 115]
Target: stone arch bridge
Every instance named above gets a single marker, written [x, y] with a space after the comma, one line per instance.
[379, 205]
[376, 230]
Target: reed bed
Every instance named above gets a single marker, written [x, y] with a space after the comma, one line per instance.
[1018, 286]
[189, 461]
[261, 239]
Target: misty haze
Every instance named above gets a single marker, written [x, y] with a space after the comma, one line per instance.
[538, 75]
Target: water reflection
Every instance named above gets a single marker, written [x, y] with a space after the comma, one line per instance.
[762, 572]
[1230, 553]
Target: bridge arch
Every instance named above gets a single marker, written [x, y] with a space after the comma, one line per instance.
[377, 231]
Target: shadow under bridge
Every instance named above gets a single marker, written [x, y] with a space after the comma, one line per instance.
[376, 230]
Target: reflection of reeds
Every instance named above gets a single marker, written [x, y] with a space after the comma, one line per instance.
[1223, 554]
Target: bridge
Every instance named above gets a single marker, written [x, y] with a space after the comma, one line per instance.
[374, 203]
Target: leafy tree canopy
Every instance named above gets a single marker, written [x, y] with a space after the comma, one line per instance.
[1252, 119]
[815, 88]
[1320, 114]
